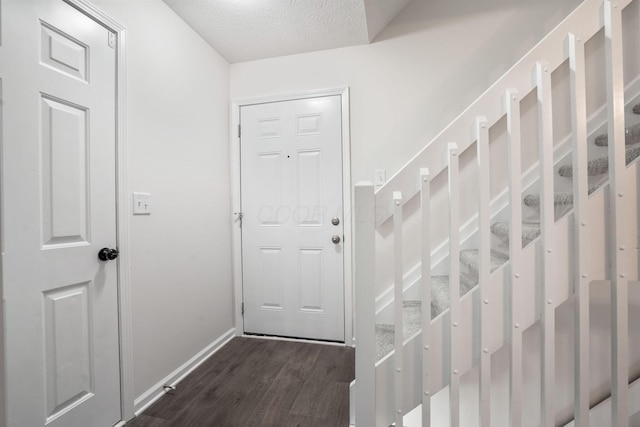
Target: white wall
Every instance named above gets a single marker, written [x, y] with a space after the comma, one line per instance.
[177, 135]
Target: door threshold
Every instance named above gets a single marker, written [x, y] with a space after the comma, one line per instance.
[293, 339]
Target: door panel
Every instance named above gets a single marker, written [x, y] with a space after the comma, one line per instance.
[58, 188]
[64, 173]
[62, 53]
[271, 270]
[311, 280]
[291, 186]
[68, 347]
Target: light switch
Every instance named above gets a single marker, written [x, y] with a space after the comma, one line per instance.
[381, 177]
[141, 204]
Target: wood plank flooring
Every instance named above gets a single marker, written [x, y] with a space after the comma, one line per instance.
[256, 382]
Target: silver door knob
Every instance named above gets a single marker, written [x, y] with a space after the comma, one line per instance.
[335, 221]
[335, 239]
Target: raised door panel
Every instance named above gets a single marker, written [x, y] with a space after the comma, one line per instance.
[310, 210]
[309, 124]
[271, 278]
[269, 189]
[63, 53]
[68, 326]
[311, 281]
[65, 173]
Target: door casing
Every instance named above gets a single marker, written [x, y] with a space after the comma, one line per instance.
[123, 208]
[346, 196]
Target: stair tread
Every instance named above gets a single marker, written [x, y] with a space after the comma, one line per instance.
[600, 165]
[385, 333]
[530, 231]
[412, 314]
[631, 136]
[560, 198]
[471, 259]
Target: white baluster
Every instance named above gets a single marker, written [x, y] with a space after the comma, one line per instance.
[364, 272]
[425, 240]
[580, 230]
[512, 102]
[617, 169]
[398, 304]
[547, 306]
[454, 285]
[484, 268]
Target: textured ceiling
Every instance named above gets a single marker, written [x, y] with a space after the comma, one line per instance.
[244, 30]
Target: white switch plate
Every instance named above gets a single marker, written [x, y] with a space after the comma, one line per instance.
[141, 204]
[381, 177]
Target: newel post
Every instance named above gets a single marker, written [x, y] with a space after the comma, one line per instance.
[364, 275]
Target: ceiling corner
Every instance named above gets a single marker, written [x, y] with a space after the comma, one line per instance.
[379, 13]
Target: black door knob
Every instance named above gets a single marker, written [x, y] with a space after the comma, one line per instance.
[107, 254]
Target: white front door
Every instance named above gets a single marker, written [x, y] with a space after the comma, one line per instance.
[291, 186]
[58, 190]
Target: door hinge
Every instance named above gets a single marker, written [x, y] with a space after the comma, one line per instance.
[240, 216]
[242, 308]
[112, 40]
[239, 131]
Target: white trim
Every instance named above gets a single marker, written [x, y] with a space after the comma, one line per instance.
[234, 140]
[347, 244]
[123, 209]
[149, 397]
[236, 232]
[3, 309]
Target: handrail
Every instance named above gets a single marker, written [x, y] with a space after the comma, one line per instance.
[584, 22]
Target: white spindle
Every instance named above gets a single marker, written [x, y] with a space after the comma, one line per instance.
[398, 304]
[617, 169]
[454, 285]
[547, 306]
[425, 203]
[364, 271]
[484, 268]
[580, 230]
[512, 102]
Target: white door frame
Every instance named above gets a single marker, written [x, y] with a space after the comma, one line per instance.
[123, 209]
[346, 199]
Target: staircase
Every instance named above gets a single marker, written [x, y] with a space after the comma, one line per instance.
[497, 309]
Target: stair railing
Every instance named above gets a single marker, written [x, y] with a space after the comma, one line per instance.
[616, 228]
[546, 304]
[484, 270]
[580, 224]
[566, 41]
[425, 294]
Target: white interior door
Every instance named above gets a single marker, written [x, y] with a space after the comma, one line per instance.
[291, 186]
[58, 189]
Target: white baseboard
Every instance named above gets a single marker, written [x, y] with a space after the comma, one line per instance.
[157, 391]
[352, 403]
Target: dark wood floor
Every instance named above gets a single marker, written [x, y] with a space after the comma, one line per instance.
[257, 382]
